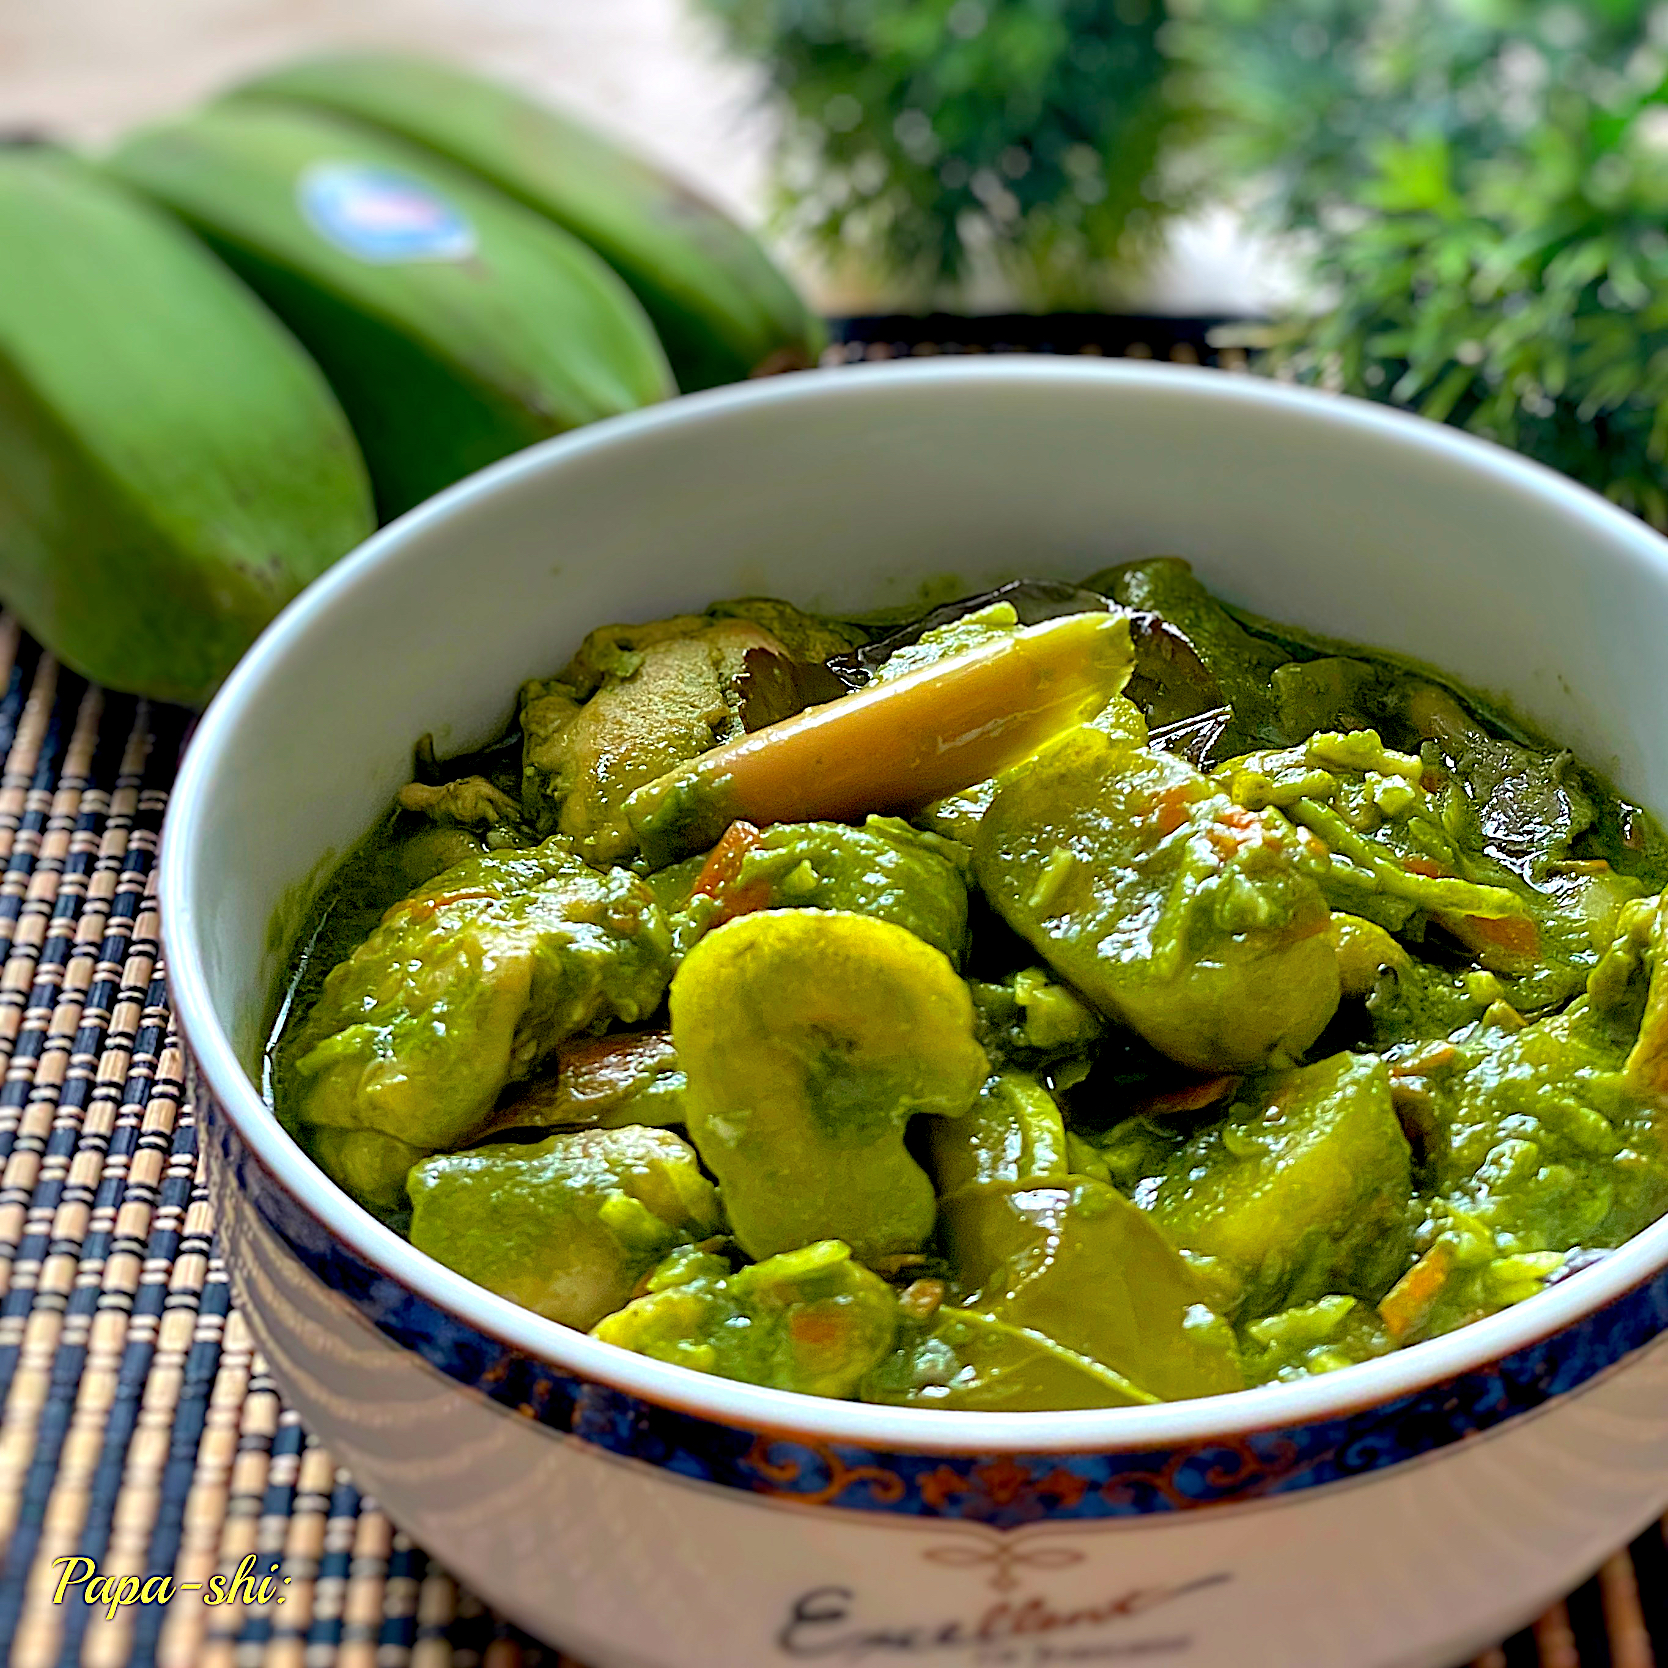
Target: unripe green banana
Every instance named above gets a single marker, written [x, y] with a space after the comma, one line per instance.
[722, 309]
[455, 325]
[173, 468]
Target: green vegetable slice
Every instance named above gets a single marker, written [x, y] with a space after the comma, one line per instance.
[1197, 923]
[809, 1039]
[567, 1227]
[810, 1320]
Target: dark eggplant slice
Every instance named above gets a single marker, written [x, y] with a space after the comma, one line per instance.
[1170, 682]
[772, 688]
[499, 763]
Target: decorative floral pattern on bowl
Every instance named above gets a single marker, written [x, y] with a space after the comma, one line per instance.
[1001, 1491]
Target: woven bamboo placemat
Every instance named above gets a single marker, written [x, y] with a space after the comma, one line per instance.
[138, 1427]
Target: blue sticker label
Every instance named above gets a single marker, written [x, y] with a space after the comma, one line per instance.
[382, 215]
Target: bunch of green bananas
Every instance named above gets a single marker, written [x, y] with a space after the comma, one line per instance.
[250, 332]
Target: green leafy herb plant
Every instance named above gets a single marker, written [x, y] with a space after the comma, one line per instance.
[1485, 189]
[935, 139]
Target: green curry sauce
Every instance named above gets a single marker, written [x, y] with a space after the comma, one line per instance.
[1282, 1007]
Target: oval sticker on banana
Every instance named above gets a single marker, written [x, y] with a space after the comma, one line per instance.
[382, 215]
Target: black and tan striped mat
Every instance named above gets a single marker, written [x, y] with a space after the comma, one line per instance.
[138, 1427]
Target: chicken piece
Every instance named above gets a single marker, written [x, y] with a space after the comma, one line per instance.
[569, 1226]
[810, 1320]
[467, 985]
[627, 1077]
[637, 701]
[884, 869]
[469, 802]
[1195, 922]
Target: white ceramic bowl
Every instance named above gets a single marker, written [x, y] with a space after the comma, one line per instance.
[1401, 1512]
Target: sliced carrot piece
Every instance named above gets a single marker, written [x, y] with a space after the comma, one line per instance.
[1190, 1097]
[1434, 1058]
[1513, 935]
[723, 864]
[1408, 1303]
[1170, 806]
[1233, 829]
[720, 876]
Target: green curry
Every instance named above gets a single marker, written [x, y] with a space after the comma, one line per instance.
[1085, 996]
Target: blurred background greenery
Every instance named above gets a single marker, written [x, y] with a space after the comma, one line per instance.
[1483, 191]
[1457, 206]
[1475, 189]
[933, 136]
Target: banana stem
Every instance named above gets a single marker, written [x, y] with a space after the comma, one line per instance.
[893, 747]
